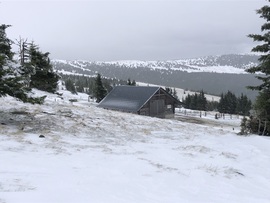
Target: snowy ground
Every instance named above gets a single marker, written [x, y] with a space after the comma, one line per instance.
[95, 155]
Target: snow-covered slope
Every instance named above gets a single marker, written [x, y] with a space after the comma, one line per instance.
[95, 155]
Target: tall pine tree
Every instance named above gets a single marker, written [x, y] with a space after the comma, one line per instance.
[99, 91]
[262, 104]
[243, 105]
[228, 103]
[44, 78]
[11, 82]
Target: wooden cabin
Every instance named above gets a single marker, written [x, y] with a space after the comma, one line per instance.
[142, 100]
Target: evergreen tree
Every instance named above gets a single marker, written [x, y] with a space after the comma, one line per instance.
[187, 101]
[262, 104]
[6, 56]
[243, 105]
[196, 102]
[99, 91]
[222, 104]
[228, 103]
[202, 102]
[44, 78]
[11, 82]
[231, 101]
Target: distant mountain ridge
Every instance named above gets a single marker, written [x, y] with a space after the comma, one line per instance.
[232, 62]
[222, 64]
[213, 74]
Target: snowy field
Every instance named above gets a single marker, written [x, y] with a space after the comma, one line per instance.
[95, 155]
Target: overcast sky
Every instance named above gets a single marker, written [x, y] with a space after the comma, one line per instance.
[134, 29]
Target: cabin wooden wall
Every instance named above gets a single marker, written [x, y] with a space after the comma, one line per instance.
[160, 105]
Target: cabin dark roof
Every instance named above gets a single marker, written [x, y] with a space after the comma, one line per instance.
[128, 98]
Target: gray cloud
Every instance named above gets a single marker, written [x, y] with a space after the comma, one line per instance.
[143, 30]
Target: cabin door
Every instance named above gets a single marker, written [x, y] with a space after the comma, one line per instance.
[157, 108]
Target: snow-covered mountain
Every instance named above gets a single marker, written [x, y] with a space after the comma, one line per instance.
[233, 63]
[213, 74]
[89, 154]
